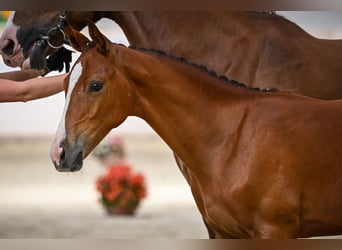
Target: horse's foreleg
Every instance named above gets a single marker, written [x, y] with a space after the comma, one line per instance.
[211, 232]
[187, 177]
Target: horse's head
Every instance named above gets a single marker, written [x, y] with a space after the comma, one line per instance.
[26, 39]
[97, 99]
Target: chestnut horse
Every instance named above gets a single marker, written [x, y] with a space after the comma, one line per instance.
[258, 48]
[270, 166]
[219, 40]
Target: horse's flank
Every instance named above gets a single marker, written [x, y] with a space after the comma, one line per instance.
[262, 164]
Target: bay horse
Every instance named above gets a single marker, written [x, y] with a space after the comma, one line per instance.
[259, 48]
[262, 164]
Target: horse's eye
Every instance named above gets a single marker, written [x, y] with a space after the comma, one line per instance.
[95, 86]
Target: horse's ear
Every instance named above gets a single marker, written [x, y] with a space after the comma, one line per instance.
[98, 38]
[76, 39]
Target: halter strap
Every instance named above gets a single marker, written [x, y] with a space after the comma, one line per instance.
[62, 18]
[45, 40]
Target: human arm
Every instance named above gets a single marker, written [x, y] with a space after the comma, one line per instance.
[13, 91]
[21, 75]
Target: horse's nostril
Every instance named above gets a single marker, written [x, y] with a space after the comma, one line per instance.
[62, 155]
[8, 48]
[62, 162]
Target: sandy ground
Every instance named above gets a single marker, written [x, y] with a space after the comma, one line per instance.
[39, 202]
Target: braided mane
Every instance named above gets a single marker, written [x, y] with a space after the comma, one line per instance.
[204, 69]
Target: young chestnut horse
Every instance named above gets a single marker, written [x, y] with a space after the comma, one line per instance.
[262, 164]
[261, 49]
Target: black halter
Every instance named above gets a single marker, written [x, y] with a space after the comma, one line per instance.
[58, 30]
[60, 58]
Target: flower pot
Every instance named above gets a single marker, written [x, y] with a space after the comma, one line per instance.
[120, 211]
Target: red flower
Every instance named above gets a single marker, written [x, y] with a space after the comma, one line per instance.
[121, 187]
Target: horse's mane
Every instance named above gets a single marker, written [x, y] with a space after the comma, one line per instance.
[281, 23]
[204, 69]
[265, 12]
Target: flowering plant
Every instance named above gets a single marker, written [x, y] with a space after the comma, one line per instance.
[110, 151]
[122, 188]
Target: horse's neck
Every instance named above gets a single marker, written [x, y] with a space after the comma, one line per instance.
[168, 29]
[79, 19]
[148, 29]
[188, 108]
[192, 35]
[230, 43]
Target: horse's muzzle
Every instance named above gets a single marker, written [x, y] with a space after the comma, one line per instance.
[71, 160]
